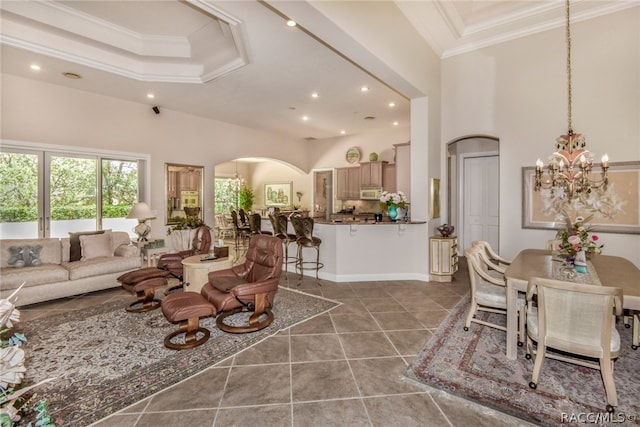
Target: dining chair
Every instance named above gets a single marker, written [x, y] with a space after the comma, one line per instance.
[491, 254]
[575, 319]
[222, 227]
[488, 292]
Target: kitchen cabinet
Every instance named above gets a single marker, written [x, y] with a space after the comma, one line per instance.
[444, 258]
[389, 177]
[348, 183]
[189, 181]
[371, 174]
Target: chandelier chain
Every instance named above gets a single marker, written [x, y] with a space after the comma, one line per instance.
[569, 89]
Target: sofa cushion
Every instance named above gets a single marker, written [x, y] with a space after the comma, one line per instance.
[100, 266]
[12, 278]
[51, 252]
[96, 246]
[24, 256]
[75, 251]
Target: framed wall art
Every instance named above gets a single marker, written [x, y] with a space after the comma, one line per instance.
[277, 194]
[623, 193]
[435, 198]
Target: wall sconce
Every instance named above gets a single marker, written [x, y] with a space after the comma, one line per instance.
[299, 194]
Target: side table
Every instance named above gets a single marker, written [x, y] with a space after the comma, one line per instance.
[152, 254]
[196, 272]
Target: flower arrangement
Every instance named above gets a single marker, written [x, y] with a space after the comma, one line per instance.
[575, 238]
[13, 402]
[398, 200]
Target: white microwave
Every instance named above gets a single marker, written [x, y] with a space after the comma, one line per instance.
[370, 193]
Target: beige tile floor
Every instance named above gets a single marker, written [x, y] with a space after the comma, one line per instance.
[343, 368]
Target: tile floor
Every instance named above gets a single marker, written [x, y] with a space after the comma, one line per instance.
[343, 368]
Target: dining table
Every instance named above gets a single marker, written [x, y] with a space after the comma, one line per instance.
[605, 270]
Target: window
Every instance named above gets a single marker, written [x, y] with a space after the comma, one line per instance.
[51, 193]
[226, 194]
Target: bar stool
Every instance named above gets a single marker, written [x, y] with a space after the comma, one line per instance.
[303, 227]
[280, 224]
[241, 232]
[255, 223]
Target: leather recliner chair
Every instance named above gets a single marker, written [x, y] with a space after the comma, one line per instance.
[173, 262]
[249, 287]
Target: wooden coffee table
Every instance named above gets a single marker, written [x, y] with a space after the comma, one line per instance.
[196, 271]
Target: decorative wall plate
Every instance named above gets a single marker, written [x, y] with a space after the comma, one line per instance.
[353, 155]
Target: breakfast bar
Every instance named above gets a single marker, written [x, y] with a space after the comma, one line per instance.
[360, 251]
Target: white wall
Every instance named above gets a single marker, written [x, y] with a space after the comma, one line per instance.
[49, 114]
[517, 92]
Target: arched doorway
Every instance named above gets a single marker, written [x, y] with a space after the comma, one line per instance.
[474, 206]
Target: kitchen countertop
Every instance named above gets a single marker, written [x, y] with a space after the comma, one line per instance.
[363, 221]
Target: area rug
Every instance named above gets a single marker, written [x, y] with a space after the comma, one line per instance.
[105, 359]
[472, 364]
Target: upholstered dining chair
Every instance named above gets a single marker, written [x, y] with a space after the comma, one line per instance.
[491, 254]
[172, 263]
[488, 292]
[222, 227]
[576, 319]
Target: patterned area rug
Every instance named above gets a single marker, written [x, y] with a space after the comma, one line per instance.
[473, 365]
[106, 359]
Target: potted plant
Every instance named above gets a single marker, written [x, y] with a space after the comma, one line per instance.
[246, 198]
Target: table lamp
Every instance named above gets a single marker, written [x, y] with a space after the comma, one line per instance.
[142, 212]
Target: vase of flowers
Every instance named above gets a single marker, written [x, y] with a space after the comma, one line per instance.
[393, 201]
[576, 238]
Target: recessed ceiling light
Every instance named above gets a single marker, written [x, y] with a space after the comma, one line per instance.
[315, 95]
[150, 96]
[396, 123]
[35, 67]
[72, 75]
[291, 23]
[305, 118]
[392, 104]
[364, 89]
[342, 132]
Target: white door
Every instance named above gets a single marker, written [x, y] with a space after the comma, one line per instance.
[481, 203]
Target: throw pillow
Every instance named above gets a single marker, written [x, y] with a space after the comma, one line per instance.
[75, 252]
[95, 246]
[24, 256]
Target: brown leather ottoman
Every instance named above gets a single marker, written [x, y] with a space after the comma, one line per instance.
[143, 283]
[186, 309]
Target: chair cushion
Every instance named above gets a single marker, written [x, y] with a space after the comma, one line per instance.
[489, 294]
[141, 274]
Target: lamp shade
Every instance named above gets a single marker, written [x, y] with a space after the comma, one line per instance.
[141, 211]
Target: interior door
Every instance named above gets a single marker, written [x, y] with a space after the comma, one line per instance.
[481, 202]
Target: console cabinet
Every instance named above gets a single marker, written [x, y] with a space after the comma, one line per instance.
[444, 258]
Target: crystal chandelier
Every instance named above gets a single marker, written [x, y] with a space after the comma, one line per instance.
[569, 173]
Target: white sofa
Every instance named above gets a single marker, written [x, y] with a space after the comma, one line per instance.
[52, 275]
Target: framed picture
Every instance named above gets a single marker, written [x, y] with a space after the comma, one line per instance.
[435, 198]
[277, 194]
[624, 191]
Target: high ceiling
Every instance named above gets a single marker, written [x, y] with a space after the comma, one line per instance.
[238, 61]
